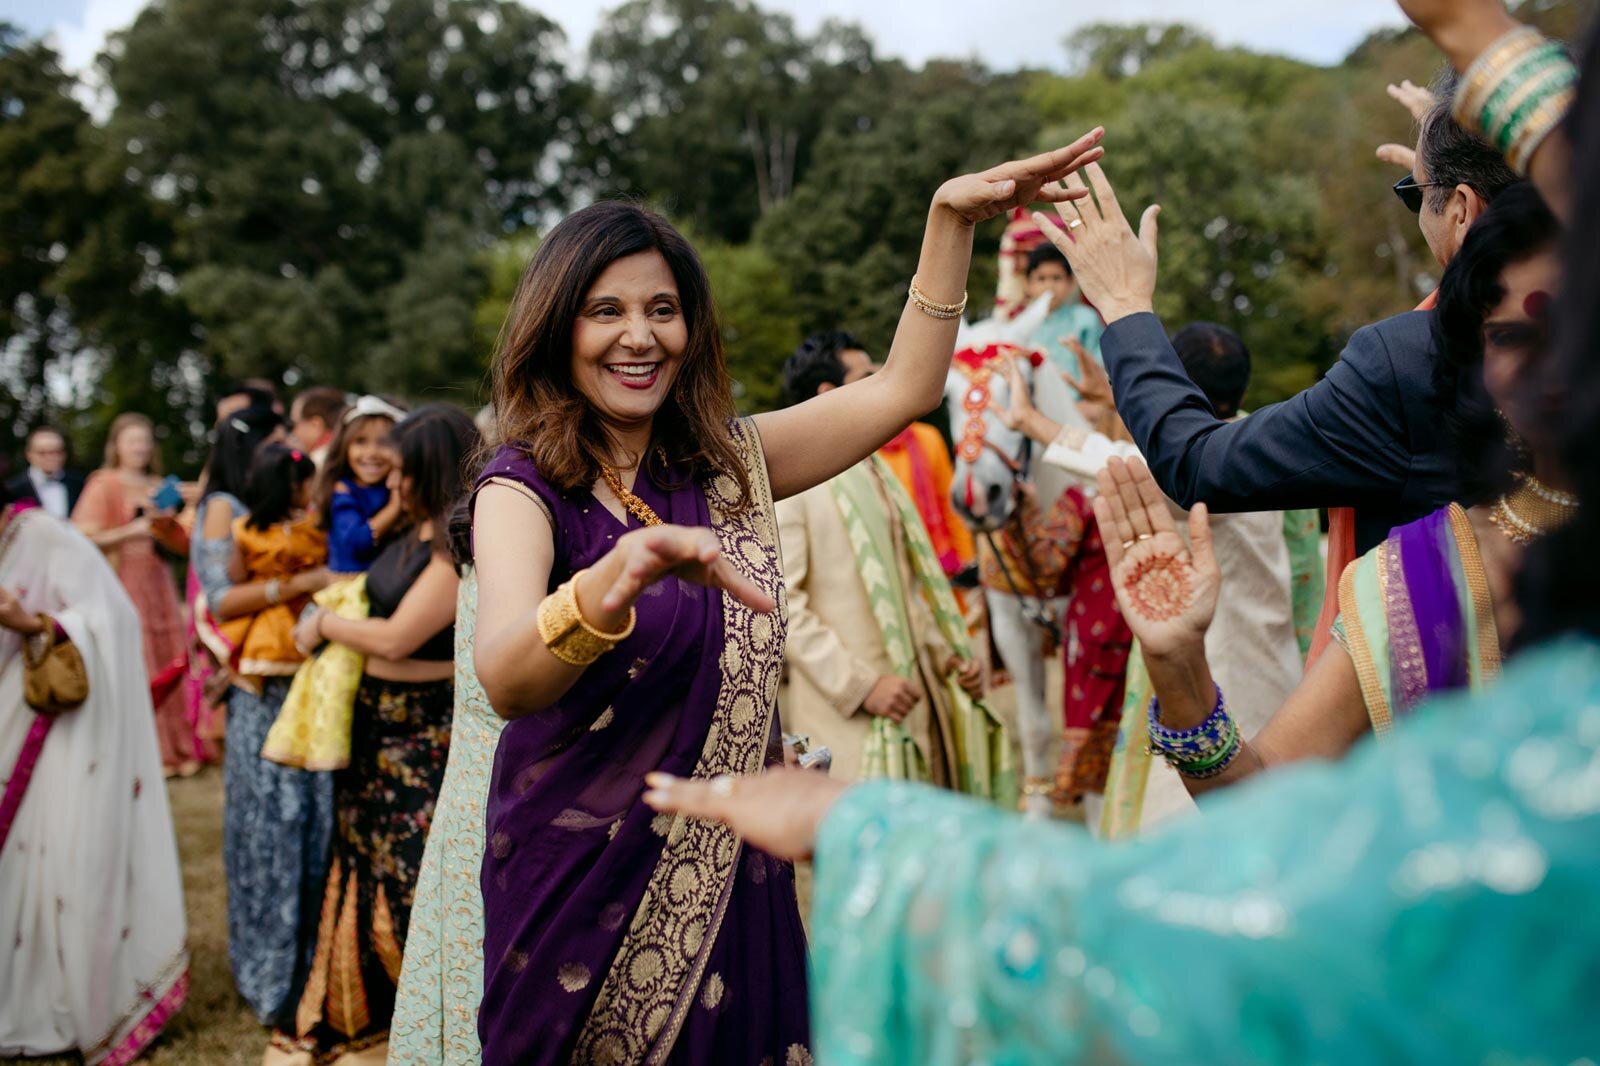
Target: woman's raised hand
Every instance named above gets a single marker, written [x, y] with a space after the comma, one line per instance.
[972, 198]
[778, 811]
[687, 552]
[1168, 590]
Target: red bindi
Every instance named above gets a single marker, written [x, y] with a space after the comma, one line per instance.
[1537, 304]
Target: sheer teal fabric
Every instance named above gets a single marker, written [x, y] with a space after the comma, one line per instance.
[1431, 899]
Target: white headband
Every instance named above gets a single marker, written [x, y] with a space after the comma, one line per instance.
[369, 406]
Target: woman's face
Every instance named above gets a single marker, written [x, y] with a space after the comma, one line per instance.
[628, 339]
[135, 446]
[1516, 331]
[368, 451]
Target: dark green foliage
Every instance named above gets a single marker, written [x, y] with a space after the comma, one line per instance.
[345, 191]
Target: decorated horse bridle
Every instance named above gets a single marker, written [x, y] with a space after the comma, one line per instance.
[974, 439]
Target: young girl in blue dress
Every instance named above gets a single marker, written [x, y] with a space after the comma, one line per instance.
[358, 506]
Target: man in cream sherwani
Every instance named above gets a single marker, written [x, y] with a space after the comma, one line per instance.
[842, 671]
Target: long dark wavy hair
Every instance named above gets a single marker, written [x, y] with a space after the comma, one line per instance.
[536, 403]
[1516, 226]
[435, 443]
[1559, 586]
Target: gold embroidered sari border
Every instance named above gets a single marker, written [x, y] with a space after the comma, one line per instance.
[646, 994]
[1478, 588]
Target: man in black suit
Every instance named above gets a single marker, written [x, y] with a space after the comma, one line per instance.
[47, 479]
[1369, 435]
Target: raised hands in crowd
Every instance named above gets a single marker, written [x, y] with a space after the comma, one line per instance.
[1115, 267]
[1167, 588]
[1418, 101]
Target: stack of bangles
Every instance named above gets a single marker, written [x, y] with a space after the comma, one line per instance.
[1516, 93]
[568, 635]
[933, 308]
[1204, 751]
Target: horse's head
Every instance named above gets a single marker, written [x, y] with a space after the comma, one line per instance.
[990, 459]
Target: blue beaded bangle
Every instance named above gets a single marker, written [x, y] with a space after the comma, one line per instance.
[1203, 751]
[1215, 764]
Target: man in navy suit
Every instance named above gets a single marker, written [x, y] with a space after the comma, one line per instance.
[1369, 435]
[47, 479]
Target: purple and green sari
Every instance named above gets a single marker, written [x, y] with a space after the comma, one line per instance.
[1416, 617]
[613, 934]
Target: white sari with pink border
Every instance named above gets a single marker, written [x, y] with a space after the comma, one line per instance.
[91, 896]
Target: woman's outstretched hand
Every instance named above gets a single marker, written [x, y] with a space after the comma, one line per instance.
[1167, 590]
[690, 553]
[778, 811]
[1115, 268]
[972, 198]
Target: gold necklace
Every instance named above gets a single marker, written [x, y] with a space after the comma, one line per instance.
[634, 506]
[1531, 510]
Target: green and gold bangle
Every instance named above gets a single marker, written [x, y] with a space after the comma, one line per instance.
[1550, 81]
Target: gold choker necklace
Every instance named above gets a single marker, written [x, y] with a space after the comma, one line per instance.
[1531, 510]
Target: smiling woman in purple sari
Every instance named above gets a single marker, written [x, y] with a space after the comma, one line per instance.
[629, 621]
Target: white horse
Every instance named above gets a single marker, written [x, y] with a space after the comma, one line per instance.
[993, 463]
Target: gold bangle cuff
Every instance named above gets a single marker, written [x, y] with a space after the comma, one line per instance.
[568, 635]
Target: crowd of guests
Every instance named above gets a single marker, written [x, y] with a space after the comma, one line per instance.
[505, 775]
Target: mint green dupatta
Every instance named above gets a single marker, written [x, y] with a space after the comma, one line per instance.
[983, 758]
[1416, 617]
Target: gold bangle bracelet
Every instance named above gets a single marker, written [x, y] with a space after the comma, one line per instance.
[568, 635]
[933, 307]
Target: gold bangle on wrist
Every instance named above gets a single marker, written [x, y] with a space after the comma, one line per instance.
[568, 635]
[933, 307]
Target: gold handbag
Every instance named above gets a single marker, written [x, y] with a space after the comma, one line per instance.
[53, 677]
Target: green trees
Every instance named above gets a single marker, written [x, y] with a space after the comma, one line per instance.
[345, 191]
[333, 169]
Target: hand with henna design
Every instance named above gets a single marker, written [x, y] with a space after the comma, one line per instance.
[1167, 589]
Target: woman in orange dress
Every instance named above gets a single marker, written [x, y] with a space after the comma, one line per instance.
[115, 512]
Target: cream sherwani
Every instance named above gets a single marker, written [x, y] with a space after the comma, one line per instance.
[835, 651]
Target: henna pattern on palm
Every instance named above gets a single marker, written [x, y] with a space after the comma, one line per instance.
[1160, 587]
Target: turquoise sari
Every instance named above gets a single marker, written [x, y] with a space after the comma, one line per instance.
[1428, 899]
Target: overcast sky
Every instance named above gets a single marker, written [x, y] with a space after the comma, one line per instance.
[1010, 34]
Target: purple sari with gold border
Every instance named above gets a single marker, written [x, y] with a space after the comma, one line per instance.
[613, 934]
[1416, 618]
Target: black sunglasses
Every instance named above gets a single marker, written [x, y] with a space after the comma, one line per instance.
[1410, 192]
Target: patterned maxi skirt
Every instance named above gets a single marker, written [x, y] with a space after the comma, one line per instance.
[276, 822]
[384, 803]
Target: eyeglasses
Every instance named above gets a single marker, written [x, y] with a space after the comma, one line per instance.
[1409, 189]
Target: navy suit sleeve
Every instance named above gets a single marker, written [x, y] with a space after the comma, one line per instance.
[1339, 443]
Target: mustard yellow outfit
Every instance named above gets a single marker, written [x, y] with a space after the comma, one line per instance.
[265, 640]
